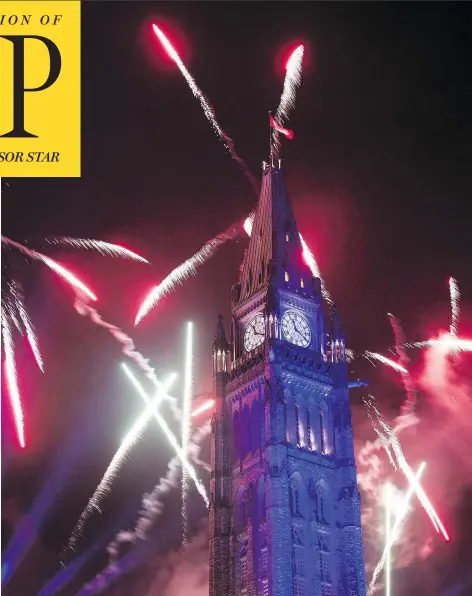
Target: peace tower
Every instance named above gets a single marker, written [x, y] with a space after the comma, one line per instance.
[284, 503]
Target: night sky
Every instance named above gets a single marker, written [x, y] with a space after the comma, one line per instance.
[380, 179]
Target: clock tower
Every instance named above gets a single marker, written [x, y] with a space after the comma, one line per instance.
[284, 503]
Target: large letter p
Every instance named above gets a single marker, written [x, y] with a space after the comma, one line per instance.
[19, 88]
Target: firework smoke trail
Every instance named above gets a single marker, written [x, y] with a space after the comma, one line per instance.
[170, 436]
[402, 513]
[12, 380]
[152, 505]
[408, 472]
[407, 379]
[186, 269]
[386, 361]
[307, 255]
[207, 108]
[104, 248]
[186, 425]
[455, 305]
[195, 445]
[292, 80]
[104, 487]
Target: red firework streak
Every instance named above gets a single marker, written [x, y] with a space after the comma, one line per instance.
[285, 131]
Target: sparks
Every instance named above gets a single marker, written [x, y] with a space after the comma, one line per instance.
[207, 108]
[387, 361]
[182, 272]
[390, 439]
[12, 380]
[403, 360]
[402, 513]
[72, 279]
[307, 255]
[186, 426]
[170, 436]
[293, 73]
[455, 305]
[117, 462]
[104, 248]
[207, 405]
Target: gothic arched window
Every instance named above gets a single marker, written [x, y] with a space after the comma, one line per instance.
[236, 435]
[255, 426]
[245, 432]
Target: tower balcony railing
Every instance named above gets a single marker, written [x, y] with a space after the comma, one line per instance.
[245, 358]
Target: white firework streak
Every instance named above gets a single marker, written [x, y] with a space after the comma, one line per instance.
[186, 426]
[30, 334]
[12, 380]
[403, 359]
[182, 272]
[402, 513]
[455, 305]
[387, 361]
[207, 108]
[408, 472]
[291, 82]
[104, 248]
[104, 487]
[170, 436]
[315, 270]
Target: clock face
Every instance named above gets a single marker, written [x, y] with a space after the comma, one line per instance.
[295, 329]
[254, 334]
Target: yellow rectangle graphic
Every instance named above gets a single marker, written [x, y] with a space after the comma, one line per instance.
[40, 88]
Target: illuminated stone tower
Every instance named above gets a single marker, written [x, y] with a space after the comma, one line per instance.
[285, 509]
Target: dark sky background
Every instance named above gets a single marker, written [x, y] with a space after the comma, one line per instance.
[380, 178]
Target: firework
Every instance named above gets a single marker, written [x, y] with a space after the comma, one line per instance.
[390, 540]
[315, 271]
[117, 462]
[72, 279]
[186, 426]
[30, 334]
[307, 255]
[182, 272]
[207, 108]
[170, 436]
[387, 361]
[389, 437]
[207, 405]
[15, 308]
[104, 248]
[152, 504]
[293, 73]
[455, 305]
[403, 360]
[12, 381]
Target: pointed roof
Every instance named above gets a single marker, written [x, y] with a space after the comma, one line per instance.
[220, 342]
[274, 247]
[336, 326]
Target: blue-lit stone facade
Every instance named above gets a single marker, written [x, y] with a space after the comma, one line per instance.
[285, 509]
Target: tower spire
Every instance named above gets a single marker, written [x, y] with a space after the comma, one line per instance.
[275, 254]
